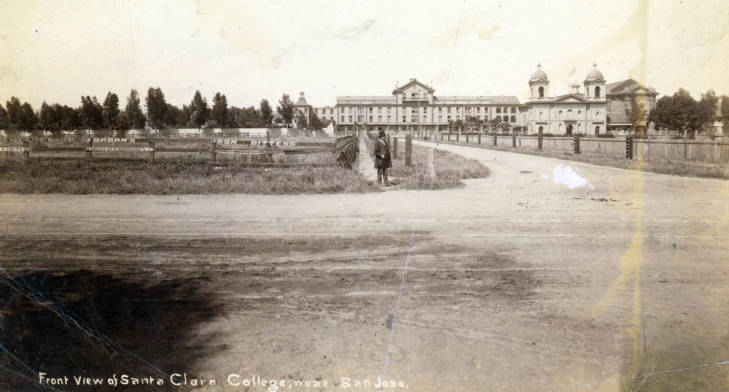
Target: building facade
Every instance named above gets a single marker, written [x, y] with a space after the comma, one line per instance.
[621, 98]
[414, 107]
[578, 112]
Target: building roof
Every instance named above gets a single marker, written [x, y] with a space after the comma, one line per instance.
[628, 86]
[411, 83]
[538, 75]
[560, 98]
[477, 100]
[594, 75]
[443, 100]
[367, 100]
[301, 101]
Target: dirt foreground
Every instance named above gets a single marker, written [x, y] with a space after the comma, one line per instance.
[514, 283]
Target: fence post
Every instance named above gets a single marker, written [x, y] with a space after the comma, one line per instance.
[215, 154]
[458, 137]
[449, 136]
[91, 144]
[495, 139]
[26, 150]
[151, 144]
[408, 150]
[717, 152]
[431, 163]
[479, 138]
[576, 144]
[513, 140]
[466, 138]
[394, 148]
[540, 140]
[629, 147]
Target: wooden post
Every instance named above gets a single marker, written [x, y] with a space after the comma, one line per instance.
[540, 140]
[151, 144]
[466, 138]
[408, 150]
[513, 140]
[394, 148]
[449, 136]
[458, 137]
[479, 138]
[431, 164]
[26, 151]
[576, 144]
[215, 154]
[629, 147]
[91, 144]
[495, 140]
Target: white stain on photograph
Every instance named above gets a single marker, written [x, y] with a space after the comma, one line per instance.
[564, 175]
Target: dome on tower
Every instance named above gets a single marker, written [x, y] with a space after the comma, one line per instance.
[594, 75]
[538, 75]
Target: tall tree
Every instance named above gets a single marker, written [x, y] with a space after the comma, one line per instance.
[198, 110]
[172, 116]
[3, 118]
[133, 111]
[46, 117]
[220, 110]
[28, 118]
[70, 118]
[123, 123]
[706, 108]
[301, 121]
[685, 114]
[111, 110]
[725, 113]
[156, 108]
[266, 113]
[13, 112]
[315, 123]
[661, 114]
[286, 109]
[91, 113]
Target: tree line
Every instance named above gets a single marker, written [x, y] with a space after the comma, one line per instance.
[681, 112]
[91, 114]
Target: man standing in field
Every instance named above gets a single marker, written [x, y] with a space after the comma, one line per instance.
[382, 158]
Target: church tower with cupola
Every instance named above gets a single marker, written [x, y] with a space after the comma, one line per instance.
[595, 84]
[539, 84]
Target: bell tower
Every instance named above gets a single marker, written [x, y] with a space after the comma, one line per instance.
[539, 84]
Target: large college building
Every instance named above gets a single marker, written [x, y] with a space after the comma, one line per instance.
[414, 106]
[587, 109]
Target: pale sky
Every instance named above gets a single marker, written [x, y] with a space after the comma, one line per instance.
[58, 51]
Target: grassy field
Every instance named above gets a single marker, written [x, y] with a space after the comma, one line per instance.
[450, 169]
[173, 178]
[679, 168]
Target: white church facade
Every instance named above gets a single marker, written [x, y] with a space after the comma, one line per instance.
[577, 112]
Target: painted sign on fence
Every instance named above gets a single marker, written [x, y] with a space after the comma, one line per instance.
[112, 140]
[139, 149]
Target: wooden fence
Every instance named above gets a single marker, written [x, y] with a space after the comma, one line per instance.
[254, 151]
[648, 149]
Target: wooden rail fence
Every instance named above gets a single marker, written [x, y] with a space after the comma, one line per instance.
[252, 152]
[715, 152]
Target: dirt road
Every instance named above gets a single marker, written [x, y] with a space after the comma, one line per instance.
[515, 282]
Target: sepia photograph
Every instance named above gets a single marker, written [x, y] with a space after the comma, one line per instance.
[429, 196]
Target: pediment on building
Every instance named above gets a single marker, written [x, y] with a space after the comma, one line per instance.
[570, 98]
[413, 86]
